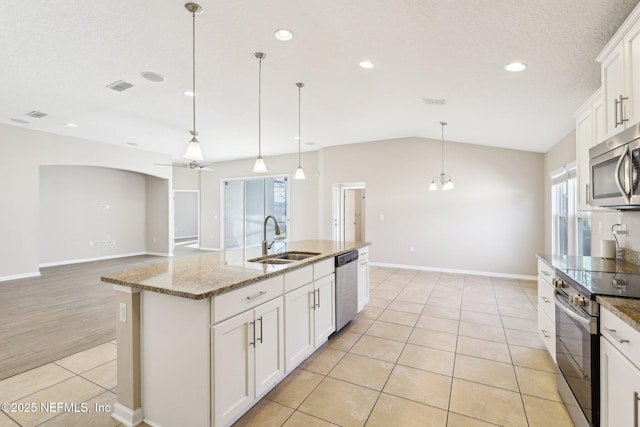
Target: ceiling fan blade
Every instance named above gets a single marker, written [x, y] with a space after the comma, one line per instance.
[163, 164]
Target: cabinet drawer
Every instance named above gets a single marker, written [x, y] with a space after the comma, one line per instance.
[547, 331]
[547, 272]
[239, 300]
[363, 253]
[296, 278]
[546, 298]
[323, 268]
[622, 335]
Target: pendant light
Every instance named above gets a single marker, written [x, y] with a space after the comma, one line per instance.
[194, 152]
[299, 172]
[445, 180]
[259, 166]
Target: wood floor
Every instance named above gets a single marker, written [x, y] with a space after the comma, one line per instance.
[65, 310]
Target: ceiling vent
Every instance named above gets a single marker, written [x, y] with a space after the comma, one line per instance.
[36, 114]
[120, 86]
[433, 101]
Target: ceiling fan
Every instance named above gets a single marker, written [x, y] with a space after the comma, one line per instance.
[191, 165]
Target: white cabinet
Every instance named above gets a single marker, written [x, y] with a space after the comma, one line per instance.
[248, 358]
[363, 278]
[546, 307]
[309, 312]
[620, 65]
[619, 376]
[589, 131]
[324, 313]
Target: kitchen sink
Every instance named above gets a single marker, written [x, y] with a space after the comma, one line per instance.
[285, 257]
[296, 256]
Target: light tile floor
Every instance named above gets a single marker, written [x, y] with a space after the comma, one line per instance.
[430, 349]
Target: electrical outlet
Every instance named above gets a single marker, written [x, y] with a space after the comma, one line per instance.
[123, 312]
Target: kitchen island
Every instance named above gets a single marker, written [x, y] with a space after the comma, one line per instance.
[202, 339]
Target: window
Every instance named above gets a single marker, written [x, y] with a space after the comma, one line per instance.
[571, 229]
[247, 204]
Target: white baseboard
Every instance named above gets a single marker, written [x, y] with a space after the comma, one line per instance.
[19, 276]
[81, 260]
[202, 248]
[157, 253]
[127, 416]
[453, 270]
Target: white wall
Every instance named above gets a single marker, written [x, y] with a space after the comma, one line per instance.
[23, 152]
[491, 222]
[90, 212]
[185, 214]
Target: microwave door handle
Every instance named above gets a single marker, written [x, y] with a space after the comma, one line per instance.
[621, 160]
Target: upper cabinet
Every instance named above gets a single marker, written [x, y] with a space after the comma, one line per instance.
[620, 66]
[589, 130]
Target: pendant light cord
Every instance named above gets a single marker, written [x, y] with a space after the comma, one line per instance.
[259, 106]
[442, 146]
[299, 123]
[194, 72]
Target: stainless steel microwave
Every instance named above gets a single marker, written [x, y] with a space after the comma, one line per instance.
[615, 171]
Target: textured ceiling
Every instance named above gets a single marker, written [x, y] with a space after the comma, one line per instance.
[58, 56]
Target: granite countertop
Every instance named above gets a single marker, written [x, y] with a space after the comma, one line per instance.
[214, 273]
[563, 262]
[625, 308]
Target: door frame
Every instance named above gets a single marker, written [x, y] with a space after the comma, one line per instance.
[338, 210]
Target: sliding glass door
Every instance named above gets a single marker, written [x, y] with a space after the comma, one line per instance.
[247, 203]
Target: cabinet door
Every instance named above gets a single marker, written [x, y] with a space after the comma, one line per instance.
[298, 326]
[584, 141]
[363, 283]
[325, 313]
[269, 347]
[612, 88]
[631, 106]
[233, 367]
[619, 387]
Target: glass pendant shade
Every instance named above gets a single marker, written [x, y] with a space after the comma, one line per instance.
[194, 152]
[299, 173]
[445, 180]
[259, 166]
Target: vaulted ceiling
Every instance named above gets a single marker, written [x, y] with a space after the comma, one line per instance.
[59, 56]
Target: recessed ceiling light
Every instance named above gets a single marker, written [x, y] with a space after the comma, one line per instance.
[296, 137]
[515, 67]
[283, 35]
[366, 64]
[152, 77]
[189, 93]
[72, 125]
[24, 122]
[310, 143]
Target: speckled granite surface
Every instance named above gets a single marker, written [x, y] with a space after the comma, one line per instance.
[625, 308]
[589, 263]
[213, 273]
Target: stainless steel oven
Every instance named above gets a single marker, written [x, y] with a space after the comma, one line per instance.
[578, 353]
[615, 171]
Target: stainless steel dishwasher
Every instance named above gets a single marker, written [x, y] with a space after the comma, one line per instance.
[346, 288]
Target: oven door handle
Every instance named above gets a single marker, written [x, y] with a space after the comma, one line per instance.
[583, 320]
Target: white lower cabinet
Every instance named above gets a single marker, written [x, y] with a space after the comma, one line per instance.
[619, 388]
[619, 372]
[324, 314]
[309, 319]
[546, 307]
[248, 359]
[363, 278]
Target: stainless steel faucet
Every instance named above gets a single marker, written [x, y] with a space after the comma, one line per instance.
[266, 246]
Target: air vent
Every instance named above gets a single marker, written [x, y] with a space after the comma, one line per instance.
[36, 114]
[120, 86]
[433, 101]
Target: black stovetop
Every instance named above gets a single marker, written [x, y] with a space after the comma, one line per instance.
[593, 283]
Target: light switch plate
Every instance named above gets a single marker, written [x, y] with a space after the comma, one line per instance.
[123, 312]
